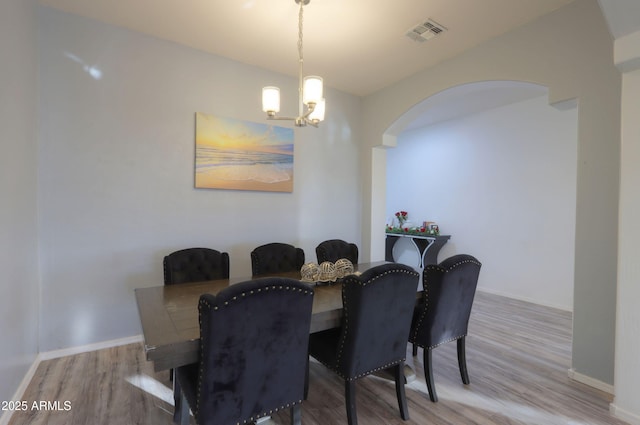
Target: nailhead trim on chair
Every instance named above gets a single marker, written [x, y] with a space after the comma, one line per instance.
[460, 262]
[426, 300]
[226, 303]
[356, 280]
[387, 366]
[255, 418]
[443, 342]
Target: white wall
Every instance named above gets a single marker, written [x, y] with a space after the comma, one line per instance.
[627, 373]
[503, 184]
[569, 51]
[18, 208]
[116, 166]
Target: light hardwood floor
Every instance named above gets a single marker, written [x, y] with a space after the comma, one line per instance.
[518, 355]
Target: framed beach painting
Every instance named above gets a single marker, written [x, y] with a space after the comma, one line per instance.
[242, 155]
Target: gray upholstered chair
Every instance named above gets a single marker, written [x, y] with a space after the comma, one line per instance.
[195, 265]
[335, 249]
[443, 314]
[378, 306]
[253, 354]
[276, 258]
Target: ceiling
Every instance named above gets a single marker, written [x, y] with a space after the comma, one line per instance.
[357, 46]
[623, 16]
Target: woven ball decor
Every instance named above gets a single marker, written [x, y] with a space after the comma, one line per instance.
[344, 267]
[309, 272]
[327, 272]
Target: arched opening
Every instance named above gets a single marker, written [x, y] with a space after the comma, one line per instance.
[496, 167]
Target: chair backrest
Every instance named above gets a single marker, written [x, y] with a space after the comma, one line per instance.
[275, 258]
[254, 340]
[449, 289]
[335, 249]
[378, 306]
[195, 265]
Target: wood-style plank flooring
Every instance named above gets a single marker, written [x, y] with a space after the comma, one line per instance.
[518, 355]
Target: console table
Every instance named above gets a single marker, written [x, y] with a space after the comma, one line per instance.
[428, 246]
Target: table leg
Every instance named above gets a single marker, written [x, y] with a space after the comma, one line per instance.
[389, 242]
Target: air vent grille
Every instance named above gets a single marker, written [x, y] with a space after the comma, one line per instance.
[425, 31]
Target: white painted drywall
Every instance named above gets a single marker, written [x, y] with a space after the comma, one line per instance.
[627, 371]
[18, 208]
[570, 51]
[117, 164]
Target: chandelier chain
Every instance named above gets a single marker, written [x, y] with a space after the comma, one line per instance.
[300, 22]
[300, 61]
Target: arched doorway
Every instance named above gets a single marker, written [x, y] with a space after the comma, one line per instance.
[496, 167]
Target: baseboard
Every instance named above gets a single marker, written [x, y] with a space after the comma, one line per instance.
[6, 416]
[54, 354]
[592, 382]
[625, 415]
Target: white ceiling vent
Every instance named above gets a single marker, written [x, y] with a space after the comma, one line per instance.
[425, 31]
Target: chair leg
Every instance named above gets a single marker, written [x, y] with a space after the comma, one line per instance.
[428, 374]
[177, 405]
[306, 380]
[400, 394]
[350, 401]
[414, 350]
[296, 415]
[184, 410]
[462, 361]
[180, 405]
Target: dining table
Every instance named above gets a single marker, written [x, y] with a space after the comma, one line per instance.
[169, 314]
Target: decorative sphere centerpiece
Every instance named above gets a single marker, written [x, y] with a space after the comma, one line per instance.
[344, 267]
[327, 272]
[309, 272]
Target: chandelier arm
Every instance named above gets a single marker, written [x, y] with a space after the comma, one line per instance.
[310, 108]
[299, 121]
[277, 117]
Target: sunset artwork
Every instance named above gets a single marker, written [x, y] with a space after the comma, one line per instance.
[242, 155]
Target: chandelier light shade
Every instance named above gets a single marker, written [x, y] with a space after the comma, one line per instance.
[311, 103]
[271, 100]
[312, 90]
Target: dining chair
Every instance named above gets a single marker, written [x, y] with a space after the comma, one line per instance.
[276, 258]
[443, 313]
[253, 356]
[195, 265]
[335, 249]
[377, 309]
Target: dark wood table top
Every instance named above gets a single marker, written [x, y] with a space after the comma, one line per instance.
[169, 315]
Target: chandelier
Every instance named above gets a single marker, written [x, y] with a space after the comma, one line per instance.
[310, 101]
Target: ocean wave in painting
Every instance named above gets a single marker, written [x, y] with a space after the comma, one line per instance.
[242, 165]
